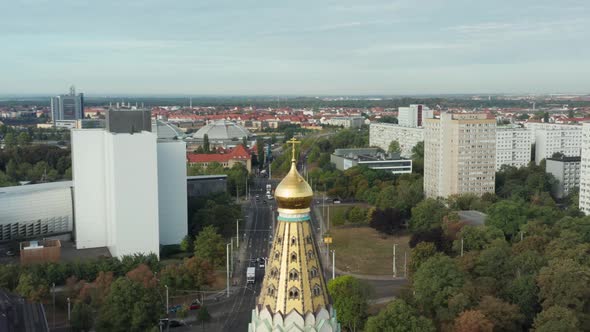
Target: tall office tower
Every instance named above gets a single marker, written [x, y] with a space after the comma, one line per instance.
[513, 146]
[552, 138]
[459, 155]
[68, 107]
[584, 203]
[294, 296]
[130, 188]
[414, 115]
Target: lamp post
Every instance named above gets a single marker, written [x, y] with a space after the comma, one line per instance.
[394, 267]
[238, 232]
[167, 309]
[333, 264]
[231, 257]
[68, 300]
[227, 267]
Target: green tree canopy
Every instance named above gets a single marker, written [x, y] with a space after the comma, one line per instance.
[394, 147]
[507, 216]
[349, 297]
[435, 281]
[401, 317]
[428, 214]
[82, 318]
[557, 319]
[210, 246]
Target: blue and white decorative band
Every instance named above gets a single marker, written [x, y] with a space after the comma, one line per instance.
[294, 217]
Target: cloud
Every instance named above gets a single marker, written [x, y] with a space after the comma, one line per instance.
[407, 47]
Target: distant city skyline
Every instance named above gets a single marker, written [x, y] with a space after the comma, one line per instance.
[405, 47]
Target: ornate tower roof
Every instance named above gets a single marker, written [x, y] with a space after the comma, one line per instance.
[294, 294]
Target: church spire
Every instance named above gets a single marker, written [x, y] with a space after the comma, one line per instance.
[293, 284]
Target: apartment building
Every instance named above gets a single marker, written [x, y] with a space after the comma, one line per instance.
[414, 115]
[513, 146]
[567, 172]
[550, 138]
[381, 135]
[459, 155]
[584, 203]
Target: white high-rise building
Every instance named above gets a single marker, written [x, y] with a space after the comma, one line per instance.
[130, 190]
[550, 138]
[382, 134]
[584, 203]
[459, 155]
[513, 146]
[67, 108]
[414, 115]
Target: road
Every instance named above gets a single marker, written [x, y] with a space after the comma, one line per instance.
[257, 230]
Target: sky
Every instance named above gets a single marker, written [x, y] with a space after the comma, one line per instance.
[298, 47]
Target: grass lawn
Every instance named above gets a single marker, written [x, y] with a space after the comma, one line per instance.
[363, 250]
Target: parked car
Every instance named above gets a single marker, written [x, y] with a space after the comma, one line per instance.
[195, 305]
[174, 309]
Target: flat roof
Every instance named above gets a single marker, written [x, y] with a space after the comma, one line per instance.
[473, 217]
[28, 188]
[206, 177]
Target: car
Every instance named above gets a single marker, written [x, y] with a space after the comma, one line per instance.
[337, 201]
[195, 305]
[264, 202]
[174, 309]
[165, 322]
[261, 264]
[257, 196]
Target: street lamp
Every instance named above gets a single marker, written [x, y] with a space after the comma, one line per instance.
[167, 309]
[333, 264]
[238, 232]
[227, 267]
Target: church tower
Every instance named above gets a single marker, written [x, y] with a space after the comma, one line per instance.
[294, 296]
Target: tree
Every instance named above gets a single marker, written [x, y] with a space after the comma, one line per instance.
[435, 281]
[349, 297]
[394, 147]
[193, 273]
[24, 139]
[504, 316]
[245, 141]
[210, 246]
[386, 221]
[31, 289]
[476, 237]
[523, 291]
[203, 316]
[565, 283]
[260, 152]
[9, 140]
[427, 215]
[206, 145]
[421, 253]
[557, 319]
[473, 321]
[356, 215]
[401, 317]
[130, 306]
[418, 158]
[507, 216]
[82, 318]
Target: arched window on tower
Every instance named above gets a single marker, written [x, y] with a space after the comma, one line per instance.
[313, 272]
[277, 255]
[293, 257]
[293, 241]
[271, 290]
[293, 275]
[274, 273]
[293, 293]
[308, 239]
[317, 290]
[310, 254]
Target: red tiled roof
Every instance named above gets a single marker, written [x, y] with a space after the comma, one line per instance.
[239, 152]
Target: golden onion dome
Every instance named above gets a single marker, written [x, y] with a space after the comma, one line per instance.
[293, 192]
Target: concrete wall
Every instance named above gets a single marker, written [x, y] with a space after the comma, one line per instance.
[132, 194]
[88, 173]
[172, 191]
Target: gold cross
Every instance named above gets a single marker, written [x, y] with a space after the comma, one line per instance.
[293, 141]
